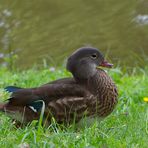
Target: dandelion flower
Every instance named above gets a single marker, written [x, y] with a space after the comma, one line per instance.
[145, 99]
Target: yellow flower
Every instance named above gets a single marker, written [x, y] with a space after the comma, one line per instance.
[145, 99]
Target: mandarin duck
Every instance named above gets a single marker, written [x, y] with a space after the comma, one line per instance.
[90, 92]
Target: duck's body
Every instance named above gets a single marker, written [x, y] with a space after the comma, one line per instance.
[67, 99]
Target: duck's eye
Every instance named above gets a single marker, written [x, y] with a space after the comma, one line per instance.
[94, 56]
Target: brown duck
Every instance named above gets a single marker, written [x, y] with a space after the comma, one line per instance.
[90, 92]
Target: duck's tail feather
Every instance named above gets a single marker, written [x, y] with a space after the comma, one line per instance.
[12, 88]
[22, 114]
[2, 106]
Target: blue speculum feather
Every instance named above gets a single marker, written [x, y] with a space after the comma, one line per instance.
[37, 105]
[12, 88]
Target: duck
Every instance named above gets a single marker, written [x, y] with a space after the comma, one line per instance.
[89, 92]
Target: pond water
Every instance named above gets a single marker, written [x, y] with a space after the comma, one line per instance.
[47, 31]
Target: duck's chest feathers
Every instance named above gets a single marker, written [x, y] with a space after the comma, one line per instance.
[104, 94]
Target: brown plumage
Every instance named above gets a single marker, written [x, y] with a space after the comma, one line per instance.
[90, 92]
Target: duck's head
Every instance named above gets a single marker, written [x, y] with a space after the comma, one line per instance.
[84, 62]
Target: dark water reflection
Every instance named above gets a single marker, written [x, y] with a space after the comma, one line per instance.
[52, 29]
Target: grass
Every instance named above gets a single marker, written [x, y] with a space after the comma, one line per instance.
[126, 127]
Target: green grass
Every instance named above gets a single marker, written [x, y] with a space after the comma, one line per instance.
[126, 127]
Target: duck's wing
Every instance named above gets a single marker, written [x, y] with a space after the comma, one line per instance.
[63, 93]
[54, 90]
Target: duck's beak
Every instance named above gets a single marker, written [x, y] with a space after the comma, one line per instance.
[106, 64]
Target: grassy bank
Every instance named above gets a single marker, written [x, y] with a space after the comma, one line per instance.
[127, 126]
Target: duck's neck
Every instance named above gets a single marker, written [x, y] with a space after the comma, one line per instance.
[100, 81]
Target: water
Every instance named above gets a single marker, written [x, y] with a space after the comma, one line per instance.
[46, 31]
